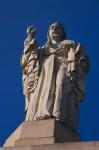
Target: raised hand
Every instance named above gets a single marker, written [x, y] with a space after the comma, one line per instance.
[31, 31]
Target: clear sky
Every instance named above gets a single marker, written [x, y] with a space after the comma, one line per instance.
[80, 19]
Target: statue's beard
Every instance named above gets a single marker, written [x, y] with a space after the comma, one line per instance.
[56, 37]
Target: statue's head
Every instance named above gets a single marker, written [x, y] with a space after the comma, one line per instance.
[56, 32]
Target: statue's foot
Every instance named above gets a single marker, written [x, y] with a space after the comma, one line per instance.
[40, 118]
[44, 117]
[47, 117]
[56, 118]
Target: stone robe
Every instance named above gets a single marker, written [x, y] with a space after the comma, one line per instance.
[56, 95]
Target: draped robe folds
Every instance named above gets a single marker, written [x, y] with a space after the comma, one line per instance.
[54, 95]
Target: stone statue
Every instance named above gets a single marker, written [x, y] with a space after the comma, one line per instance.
[54, 77]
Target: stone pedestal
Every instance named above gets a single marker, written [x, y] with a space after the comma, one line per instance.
[46, 135]
[41, 132]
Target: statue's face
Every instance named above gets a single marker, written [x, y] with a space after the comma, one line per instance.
[56, 32]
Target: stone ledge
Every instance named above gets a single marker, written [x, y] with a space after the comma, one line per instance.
[63, 146]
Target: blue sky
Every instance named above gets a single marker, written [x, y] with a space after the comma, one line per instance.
[81, 22]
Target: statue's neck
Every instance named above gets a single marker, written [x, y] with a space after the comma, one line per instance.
[55, 42]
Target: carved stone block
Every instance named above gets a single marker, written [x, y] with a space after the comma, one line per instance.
[41, 132]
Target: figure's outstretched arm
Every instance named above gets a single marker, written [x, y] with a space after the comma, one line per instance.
[30, 43]
[30, 62]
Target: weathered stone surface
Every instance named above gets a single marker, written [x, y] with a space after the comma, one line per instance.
[41, 132]
[65, 146]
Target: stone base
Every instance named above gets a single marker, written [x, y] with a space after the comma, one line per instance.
[63, 146]
[41, 132]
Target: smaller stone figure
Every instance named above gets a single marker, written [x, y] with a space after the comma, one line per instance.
[71, 61]
[30, 64]
[72, 66]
